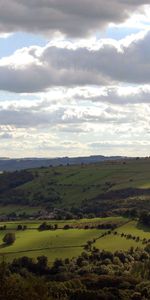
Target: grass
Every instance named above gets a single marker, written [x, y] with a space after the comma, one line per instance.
[18, 209]
[113, 243]
[135, 229]
[116, 242]
[52, 254]
[79, 183]
[61, 223]
[75, 185]
[70, 243]
[54, 244]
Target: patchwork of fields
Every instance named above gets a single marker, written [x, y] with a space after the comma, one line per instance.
[82, 188]
[70, 243]
[53, 244]
[109, 188]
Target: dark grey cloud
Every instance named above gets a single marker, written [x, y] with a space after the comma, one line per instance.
[67, 67]
[70, 17]
[35, 78]
[30, 79]
[23, 118]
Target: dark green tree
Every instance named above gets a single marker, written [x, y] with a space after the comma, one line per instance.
[9, 238]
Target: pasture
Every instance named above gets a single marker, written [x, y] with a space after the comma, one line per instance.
[80, 223]
[113, 243]
[74, 186]
[70, 243]
[134, 228]
[54, 244]
[116, 242]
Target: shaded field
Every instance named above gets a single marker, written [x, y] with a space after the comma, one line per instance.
[18, 209]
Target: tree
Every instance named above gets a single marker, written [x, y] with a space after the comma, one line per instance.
[66, 227]
[42, 262]
[9, 238]
[45, 226]
[19, 227]
[56, 226]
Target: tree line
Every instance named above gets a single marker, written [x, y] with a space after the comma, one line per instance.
[94, 275]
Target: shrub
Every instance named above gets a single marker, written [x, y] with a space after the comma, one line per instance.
[9, 238]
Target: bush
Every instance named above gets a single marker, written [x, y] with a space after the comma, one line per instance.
[9, 238]
[45, 226]
[66, 227]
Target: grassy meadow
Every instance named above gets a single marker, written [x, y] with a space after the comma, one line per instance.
[113, 243]
[76, 186]
[70, 243]
[72, 186]
[34, 224]
[54, 244]
[116, 242]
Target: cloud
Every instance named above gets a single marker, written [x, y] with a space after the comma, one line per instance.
[71, 118]
[6, 136]
[101, 128]
[69, 17]
[114, 95]
[5, 35]
[119, 144]
[51, 66]
[77, 94]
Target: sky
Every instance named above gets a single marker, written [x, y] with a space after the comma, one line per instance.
[74, 78]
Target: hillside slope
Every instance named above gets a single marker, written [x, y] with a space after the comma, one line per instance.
[95, 188]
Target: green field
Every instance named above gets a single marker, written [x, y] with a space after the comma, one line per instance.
[135, 229]
[113, 243]
[61, 223]
[99, 189]
[53, 244]
[116, 242]
[74, 186]
[70, 243]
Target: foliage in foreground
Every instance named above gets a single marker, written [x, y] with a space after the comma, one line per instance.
[95, 275]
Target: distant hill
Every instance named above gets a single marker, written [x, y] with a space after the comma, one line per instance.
[7, 164]
[107, 187]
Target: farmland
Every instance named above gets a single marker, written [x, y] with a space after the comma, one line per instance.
[78, 222]
[53, 244]
[34, 224]
[70, 243]
[122, 240]
[58, 243]
[78, 189]
[79, 194]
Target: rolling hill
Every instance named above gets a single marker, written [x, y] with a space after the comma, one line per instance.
[9, 164]
[103, 188]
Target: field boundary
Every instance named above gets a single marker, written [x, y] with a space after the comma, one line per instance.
[40, 249]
